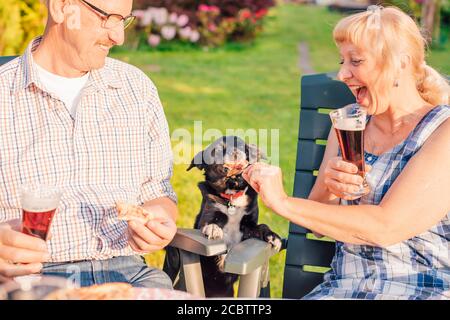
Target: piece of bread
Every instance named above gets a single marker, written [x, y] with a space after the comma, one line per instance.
[107, 291]
[236, 168]
[128, 212]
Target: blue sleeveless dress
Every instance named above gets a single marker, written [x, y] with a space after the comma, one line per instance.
[418, 268]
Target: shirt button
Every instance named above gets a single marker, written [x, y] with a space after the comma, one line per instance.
[369, 158]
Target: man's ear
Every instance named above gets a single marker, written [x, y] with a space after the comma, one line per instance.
[56, 10]
[254, 153]
[198, 162]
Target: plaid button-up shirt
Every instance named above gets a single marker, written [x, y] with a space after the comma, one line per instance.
[116, 148]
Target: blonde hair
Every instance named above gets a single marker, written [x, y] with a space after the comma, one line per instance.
[390, 33]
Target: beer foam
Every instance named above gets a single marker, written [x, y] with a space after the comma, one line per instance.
[39, 199]
[349, 124]
[30, 203]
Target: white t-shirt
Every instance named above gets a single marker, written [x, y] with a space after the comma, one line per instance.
[66, 89]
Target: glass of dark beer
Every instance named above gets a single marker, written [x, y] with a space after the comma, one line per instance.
[349, 123]
[39, 204]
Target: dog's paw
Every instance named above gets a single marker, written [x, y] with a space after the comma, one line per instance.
[213, 231]
[275, 241]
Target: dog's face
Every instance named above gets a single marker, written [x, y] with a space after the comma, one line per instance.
[224, 161]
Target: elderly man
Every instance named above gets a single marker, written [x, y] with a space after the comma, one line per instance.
[94, 127]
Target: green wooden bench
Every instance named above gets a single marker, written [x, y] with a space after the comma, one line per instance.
[6, 59]
[307, 257]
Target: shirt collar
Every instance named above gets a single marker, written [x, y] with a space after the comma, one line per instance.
[27, 72]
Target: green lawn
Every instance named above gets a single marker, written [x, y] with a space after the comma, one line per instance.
[250, 87]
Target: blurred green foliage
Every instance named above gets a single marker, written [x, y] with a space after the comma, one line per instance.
[411, 7]
[20, 21]
[414, 9]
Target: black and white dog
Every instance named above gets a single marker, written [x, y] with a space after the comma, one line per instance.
[229, 208]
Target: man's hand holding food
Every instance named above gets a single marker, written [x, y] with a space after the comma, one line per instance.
[152, 226]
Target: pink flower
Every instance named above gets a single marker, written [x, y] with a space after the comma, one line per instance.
[146, 18]
[185, 33]
[160, 15]
[206, 8]
[173, 18]
[139, 14]
[212, 27]
[195, 36]
[203, 7]
[214, 9]
[154, 40]
[168, 32]
[183, 20]
[245, 14]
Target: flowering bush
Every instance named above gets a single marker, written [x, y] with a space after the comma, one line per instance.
[212, 25]
[213, 29]
[228, 8]
[208, 22]
[158, 24]
[248, 24]
[415, 9]
[231, 8]
[217, 29]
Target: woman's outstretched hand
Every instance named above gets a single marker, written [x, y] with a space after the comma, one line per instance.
[267, 180]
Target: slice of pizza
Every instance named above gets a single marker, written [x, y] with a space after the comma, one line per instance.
[107, 291]
[128, 212]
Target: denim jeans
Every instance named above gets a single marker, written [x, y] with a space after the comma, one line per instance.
[130, 269]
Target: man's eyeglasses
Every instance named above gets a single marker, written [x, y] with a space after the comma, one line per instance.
[111, 20]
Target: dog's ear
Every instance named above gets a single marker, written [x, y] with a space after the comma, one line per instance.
[198, 162]
[254, 153]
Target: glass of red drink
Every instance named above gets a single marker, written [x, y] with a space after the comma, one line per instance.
[349, 124]
[39, 204]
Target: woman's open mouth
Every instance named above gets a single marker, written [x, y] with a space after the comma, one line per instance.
[361, 93]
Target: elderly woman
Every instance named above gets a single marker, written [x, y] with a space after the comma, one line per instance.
[393, 243]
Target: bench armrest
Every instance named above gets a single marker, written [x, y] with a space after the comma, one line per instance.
[247, 256]
[192, 240]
